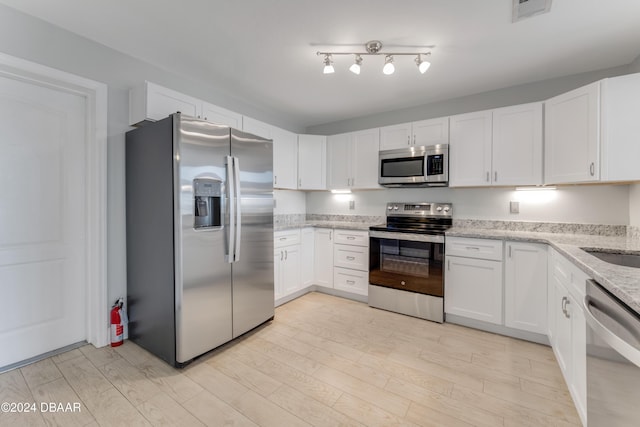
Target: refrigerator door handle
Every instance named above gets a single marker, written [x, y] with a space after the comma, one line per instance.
[238, 199]
[231, 194]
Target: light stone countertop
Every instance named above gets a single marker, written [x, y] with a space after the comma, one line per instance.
[344, 225]
[623, 282]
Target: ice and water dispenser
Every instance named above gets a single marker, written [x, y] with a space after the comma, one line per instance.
[207, 199]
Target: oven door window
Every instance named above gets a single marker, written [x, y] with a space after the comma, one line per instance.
[406, 167]
[407, 265]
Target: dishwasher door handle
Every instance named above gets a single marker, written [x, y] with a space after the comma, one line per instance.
[627, 350]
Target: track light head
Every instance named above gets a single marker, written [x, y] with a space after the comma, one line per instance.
[388, 68]
[423, 66]
[355, 67]
[328, 68]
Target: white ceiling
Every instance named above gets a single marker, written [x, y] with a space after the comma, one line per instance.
[264, 51]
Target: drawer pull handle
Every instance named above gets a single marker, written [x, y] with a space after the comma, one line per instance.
[351, 282]
[351, 258]
[472, 248]
[283, 238]
[351, 238]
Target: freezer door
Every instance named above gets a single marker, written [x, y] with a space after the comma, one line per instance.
[203, 275]
[252, 268]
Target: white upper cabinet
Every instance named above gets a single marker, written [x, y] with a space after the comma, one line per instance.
[571, 136]
[591, 133]
[517, 145]
[150, 101]
[470, 149]
[497, 147]
[285, 151]
[425, 132]
[353, 160]
[312, 162]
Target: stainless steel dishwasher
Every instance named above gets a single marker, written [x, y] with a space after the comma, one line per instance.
[613, 360]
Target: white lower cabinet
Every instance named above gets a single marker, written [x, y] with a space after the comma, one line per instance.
[306, 257]
[286, 263]
[323, 257]
[567, 326]
[525, 287]
[473, 288]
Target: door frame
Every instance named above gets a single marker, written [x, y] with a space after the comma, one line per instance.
[95, 167]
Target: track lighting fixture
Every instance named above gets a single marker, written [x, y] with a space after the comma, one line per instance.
[355, 67]
[373, 48]
[328, 68]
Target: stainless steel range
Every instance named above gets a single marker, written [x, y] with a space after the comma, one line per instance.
[406, 256]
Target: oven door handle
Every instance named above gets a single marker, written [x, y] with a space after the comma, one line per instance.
[429, 238]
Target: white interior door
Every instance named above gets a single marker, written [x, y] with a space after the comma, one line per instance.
[42, 219]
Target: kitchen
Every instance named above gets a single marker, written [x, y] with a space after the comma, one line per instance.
[27, 37]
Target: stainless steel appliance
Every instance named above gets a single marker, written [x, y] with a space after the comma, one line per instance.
[425, 166]
[613, 360]
[405, 259]
[199, 236]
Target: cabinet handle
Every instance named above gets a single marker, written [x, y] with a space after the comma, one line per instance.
[449, 265]
[495, 176]
[408, 139]
[351, 282]
[472, 248]
[567, 312]
[592, 168]
[281, 256]
[414, 139]
[283, 239]
[331, 232]
[509, 251]
[487, 176]
[275, 179]
[286, 254]
[351, 238]
[351, 258]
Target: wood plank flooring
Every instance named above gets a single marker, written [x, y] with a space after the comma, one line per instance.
[323, 361]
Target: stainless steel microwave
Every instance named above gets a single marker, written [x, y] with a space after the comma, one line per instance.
[423, 166]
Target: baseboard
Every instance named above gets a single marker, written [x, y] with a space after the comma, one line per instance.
[497, 329]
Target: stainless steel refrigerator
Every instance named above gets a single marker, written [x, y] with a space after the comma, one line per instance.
[199, 236]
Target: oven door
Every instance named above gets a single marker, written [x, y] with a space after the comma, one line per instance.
[406, 261]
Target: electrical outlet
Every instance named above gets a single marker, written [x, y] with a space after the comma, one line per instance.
[514, 207]
[352, 204]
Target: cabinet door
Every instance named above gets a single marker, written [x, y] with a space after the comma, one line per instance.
[517, 145]
[291, 269]
[364, 158]
[162, 101]
[431, 132]
[312, 169]
[579, 357]
[323, 257]
[395, 136]
[285, 158]
[572, 136]
[278, 258]
[306, 256]
[563, 348]
[338, 161]
[473, 289]
[214, 114]
[470, 150]
[525, 293]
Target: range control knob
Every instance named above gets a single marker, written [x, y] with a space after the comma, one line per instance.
[447, 208]
[395, 207]
[439, 208]
[390, 207]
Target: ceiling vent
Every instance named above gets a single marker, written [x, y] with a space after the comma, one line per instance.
[523, 9]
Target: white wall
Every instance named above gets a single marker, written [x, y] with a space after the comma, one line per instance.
[634, 205]
[289, 202]
[599, 204]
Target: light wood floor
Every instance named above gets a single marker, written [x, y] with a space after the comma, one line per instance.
[323, 361]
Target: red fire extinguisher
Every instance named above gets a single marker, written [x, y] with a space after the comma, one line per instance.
[117, 323]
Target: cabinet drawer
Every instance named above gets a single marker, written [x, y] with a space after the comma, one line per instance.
[347, 256]
[568, 274]
[474, 248]
[286, 238]
[352, 237]
[353, 281]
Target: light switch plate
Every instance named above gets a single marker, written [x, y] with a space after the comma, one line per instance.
[514, 207]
